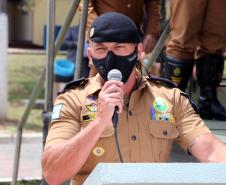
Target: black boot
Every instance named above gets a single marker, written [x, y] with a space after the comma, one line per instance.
[178, 71]
[209, 73]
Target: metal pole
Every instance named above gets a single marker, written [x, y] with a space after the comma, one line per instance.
[37, 88]
[51, 52]
[156, 51]
[21, 123]
[66, 25]
[81, 39]
[50, 55]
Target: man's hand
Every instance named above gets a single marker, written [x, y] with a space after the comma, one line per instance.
[149, 43]
[110, 96]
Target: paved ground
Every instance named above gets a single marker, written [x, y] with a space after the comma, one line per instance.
[31, 150]
[30, 168]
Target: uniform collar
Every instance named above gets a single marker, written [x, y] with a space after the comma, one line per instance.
[141, 81]
[96, 84]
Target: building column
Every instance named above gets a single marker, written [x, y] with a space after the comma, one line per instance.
[3, 59]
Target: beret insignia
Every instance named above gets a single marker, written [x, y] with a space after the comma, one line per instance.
[91, 32]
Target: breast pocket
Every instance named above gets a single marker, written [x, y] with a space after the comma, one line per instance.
[103, 151]
[162, 134]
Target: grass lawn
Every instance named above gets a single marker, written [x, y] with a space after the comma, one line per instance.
[23, 72]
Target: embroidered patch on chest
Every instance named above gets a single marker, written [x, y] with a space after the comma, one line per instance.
[92, 107]
[161, 104]
[163, 117]
[88, 116]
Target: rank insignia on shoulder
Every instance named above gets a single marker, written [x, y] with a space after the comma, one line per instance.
[162, 81]
[56, 111]
[72, 84]
[98, 151]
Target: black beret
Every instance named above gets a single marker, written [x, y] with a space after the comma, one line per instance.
[114, 27]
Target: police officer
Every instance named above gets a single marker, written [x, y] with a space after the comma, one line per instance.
[198, 35]
[145, 14]
[151, 115]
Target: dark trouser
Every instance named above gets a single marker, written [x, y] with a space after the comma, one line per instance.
[178, 71]
[197, 30]
[209, 71]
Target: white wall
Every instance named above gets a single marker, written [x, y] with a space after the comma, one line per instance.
[40, 17]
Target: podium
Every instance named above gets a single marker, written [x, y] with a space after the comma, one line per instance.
[158, 174]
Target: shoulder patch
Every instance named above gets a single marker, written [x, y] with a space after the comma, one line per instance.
[56, 111]
[162, 81]
[72, 84]
[191, 102]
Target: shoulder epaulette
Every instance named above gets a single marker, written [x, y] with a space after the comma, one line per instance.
[194, 106]
[72, 84]
[162, 81]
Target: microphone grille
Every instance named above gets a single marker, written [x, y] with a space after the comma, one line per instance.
[115, 74]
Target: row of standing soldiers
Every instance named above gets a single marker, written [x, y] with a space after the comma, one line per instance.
[197, 37]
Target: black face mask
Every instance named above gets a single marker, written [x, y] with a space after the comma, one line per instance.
[124, 64]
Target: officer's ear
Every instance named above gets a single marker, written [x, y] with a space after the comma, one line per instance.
[89, 54]
[140, 49]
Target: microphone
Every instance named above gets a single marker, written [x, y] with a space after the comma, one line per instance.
[115, 74]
